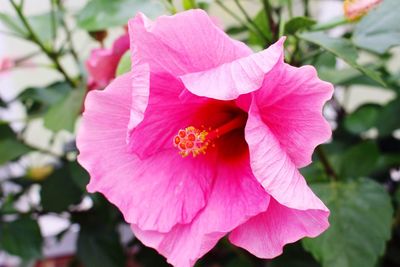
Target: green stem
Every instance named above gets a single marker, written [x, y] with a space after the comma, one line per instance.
[330, 24]
[290, 8]
[326, 164]
[269, 13]
[281, 26]
[306, 9]
[170, 6]
[53, 20]
[26, 57]
[12, 34]
[293, 58]
[68, 35]
[34, 38]
[236, 17]
[39, 149]
[251, 22]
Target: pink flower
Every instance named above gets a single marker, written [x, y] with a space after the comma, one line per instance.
[355, 9]
[103, 62]
[204, 139]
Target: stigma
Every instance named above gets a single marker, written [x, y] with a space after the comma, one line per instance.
[191, 141]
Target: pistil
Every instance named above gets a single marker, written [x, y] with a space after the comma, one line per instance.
[192, 140]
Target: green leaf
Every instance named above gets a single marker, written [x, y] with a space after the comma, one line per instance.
[189, 4]
[294, 256]
[324, 60]
[362, 119]
[261, 21]
[146, 256]
[315, 172]
[297, 24]
[361, 218]
[388, 161]
[10, 147]
[79, 175]
[348, 77]
[239, 262]
[38, 100]
[102, 14]
[389, 118]
[124, 64]
[358, 161]
[63, 114]
[2, 103]
[343, 49]
[59, 191]
[42, 26]
[21, 237]
[100, 247]
[380, 28]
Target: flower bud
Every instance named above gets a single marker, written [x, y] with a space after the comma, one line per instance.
[355, 9]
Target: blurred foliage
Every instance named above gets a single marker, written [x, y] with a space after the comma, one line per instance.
[103, 14]
[362, 213]
[356, 174]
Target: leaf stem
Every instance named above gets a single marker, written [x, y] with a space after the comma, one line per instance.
[290, 8]
[326, 164]
[293, 58]
[35, 39]
[170, 6]
[26, 57]
[251, 22]
[306, 8]
[237, 18]
[68, 35]
[268, 12]
[16, 35]
[330, 24]
[53, 20]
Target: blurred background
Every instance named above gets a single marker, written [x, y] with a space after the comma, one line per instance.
[48, 219]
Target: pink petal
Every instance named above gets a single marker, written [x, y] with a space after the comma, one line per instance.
[235, 198]
[182, 246]
[159, 200]
[291, 105]
[153, 202]
[186, 42]
[229, 80]
[265, 234]
[165, 115]
[274, 169]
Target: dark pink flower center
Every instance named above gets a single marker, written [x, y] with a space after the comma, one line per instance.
[217, 125]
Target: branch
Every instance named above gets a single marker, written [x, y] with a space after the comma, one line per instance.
[236, 17]
[268, 13]
[35, 39]
[326, 164]
[251, 22]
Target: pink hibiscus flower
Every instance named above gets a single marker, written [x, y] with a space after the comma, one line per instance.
[204, 139]
[103, 62]
[355, 9]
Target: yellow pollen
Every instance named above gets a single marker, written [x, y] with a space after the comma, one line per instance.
[191, 141]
